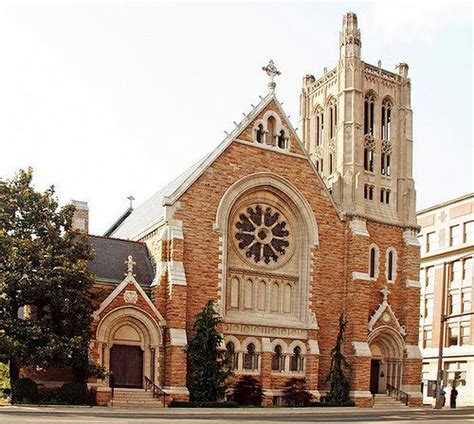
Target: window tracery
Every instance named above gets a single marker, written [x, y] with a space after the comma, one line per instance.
[262, 234]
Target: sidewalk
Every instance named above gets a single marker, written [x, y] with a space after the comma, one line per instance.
[218, 412]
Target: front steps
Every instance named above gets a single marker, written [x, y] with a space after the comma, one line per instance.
[384, 401]
[135, 398]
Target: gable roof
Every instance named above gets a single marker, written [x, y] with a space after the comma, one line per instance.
[110, 257]
[152, 210]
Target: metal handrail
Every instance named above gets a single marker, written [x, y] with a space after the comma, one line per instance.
[397, 393]
[156, 390]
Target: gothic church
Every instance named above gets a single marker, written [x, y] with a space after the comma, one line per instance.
[284, 235]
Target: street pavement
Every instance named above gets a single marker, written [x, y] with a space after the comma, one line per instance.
[82, 415]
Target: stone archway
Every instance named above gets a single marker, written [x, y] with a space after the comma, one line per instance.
[386, 347]
[129, 334]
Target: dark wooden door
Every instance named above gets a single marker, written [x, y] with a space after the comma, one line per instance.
[126, 364]
[374, 376]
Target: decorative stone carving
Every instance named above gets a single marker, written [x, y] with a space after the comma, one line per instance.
[260, 330]
[130, 296]
[386, 147]
[369, 142]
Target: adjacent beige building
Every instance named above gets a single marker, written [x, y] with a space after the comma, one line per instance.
[447, 243]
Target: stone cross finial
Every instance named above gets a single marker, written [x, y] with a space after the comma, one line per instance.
[130, 263]
[385, 291]
[272, 72]
[131, 199]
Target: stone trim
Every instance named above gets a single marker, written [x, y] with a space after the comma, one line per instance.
[176, 230]
[178, 337]
[176, 273]
[363, 276]
[360, 394]
[410, 238]
[313, 347]
[359, 227]
[129, 279]
[413, 352]
[413, 283]
[175, 390]
[361, 349]
[270, 148]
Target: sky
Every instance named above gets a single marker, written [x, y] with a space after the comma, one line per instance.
[109, 99]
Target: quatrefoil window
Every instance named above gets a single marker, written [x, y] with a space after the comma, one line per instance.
[261, 234]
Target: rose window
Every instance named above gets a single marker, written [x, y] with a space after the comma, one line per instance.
[261, 234]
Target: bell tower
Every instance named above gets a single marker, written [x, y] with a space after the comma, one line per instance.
[356, 122]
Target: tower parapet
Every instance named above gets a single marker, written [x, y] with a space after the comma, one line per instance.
[356, 124]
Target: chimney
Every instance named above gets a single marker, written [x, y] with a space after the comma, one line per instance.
[80, 220]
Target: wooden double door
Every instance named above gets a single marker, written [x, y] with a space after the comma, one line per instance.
[126, 364]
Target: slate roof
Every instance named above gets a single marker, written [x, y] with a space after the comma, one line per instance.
[110, 257]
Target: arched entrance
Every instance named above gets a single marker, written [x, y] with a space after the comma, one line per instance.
[129, 340]
[386, 347]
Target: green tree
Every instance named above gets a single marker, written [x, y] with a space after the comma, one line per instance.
[339, 392]
[248, 391]
[46, 304]
[207, 367]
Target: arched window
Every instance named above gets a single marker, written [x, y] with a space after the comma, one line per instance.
[372, 262]
[368, 192]
[259, 133]
[331, 163]
[382, 195]
[287, 299]
[234, 292]
[387, 196]
[390, 266]
[319, 128]
[332, 119]
[250, 358]
[296, 360]
[271, 133]
[386, 121]
[262, 291]
[369, 104]
[282, 140]
[369, 159]
[385, 164]
[231, 356]
[278, 360]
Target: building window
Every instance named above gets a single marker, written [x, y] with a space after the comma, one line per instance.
[382, 195]
[428, 312]
[331, 164]
[466, 302]
[391, 265]
[282, 140]
[453, 335]
[385, 164]
[454, 304]
[259, 133]
[469, 232]
[455, 235]
[278, 360]
[427, 336]
[319, 128]
[465, 335]
[373, 262]
[231, 356]
[430, 277]
[296, 361]
[386, 127]
[250, 358]
[387, 197]
[368, 192]
[431, 242]
[453, 368]
[467, 272]
[369, 159]
[369, 114]
[456, 272]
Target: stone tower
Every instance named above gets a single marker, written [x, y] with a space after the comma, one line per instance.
[356, 122]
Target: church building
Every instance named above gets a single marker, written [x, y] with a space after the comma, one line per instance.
[284, 234]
